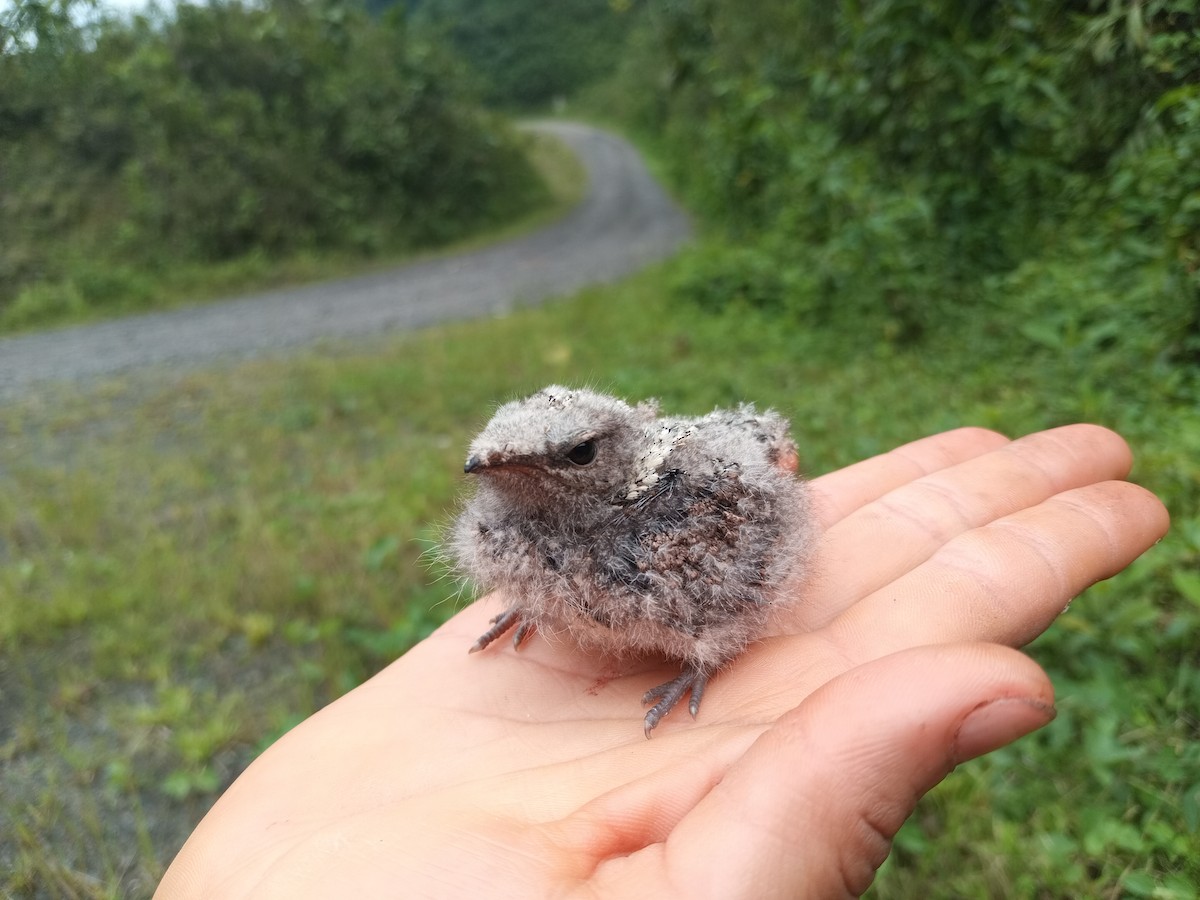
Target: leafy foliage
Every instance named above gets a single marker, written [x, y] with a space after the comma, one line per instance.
[528, 53]
[230, 130]
[907, 163]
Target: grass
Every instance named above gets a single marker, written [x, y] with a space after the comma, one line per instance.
[188, 568]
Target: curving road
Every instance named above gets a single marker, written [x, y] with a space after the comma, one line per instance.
[625, 222]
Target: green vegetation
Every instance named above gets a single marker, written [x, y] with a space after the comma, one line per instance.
[922, 215]
[189, 568]
[267, 141]
[527, 53]
[912, 165]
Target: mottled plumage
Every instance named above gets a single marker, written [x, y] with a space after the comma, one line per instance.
[635, 533]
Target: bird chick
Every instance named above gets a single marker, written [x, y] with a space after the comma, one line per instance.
[635, 533]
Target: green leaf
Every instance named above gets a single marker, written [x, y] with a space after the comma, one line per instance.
[1190, 807]
[1187, 583]
[1139, 884]
[182, 783]
[380, 552]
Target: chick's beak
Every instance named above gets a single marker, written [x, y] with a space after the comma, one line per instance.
[479, 462]
[493, 461]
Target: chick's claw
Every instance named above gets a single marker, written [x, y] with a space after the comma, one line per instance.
[671, 692]
[501, 624]
[522, 632]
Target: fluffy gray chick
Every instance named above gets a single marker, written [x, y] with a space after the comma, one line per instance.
[634, 533]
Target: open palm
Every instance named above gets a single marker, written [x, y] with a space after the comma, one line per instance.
[526, 774]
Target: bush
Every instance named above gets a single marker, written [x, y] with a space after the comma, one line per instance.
[526, 53]
[908, 163]
[236, 129]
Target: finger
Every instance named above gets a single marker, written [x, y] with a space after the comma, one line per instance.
[844, 491]
[811, 808]
[1008, 580]
[890, 536]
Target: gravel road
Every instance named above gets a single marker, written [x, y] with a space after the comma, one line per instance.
[625, 222]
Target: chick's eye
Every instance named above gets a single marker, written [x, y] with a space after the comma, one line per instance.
[582, 454]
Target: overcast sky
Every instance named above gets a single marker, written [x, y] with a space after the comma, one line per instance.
[118, 5]
[132, 5]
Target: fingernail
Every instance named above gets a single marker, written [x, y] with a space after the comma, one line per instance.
[998, 722]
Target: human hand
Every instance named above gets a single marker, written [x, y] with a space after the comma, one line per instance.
[526, 774]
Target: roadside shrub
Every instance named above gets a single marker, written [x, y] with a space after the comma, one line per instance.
[232, 129]
[911, 164]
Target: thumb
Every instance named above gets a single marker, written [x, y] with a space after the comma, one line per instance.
[813, 805]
